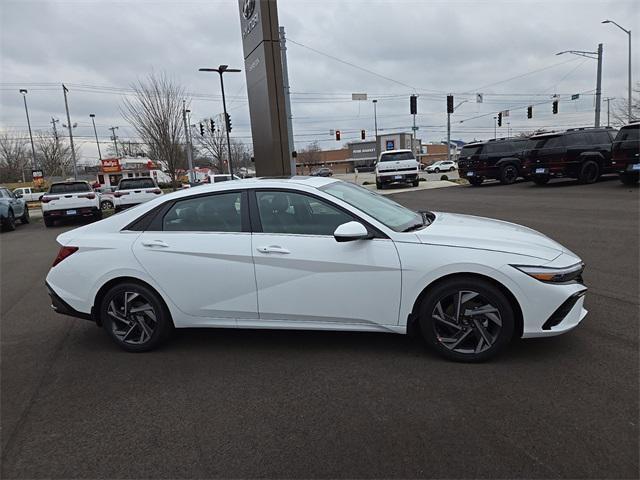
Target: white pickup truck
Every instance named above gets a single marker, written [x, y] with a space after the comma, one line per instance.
[133, 191]
[28, 194]
[70, 199]
[397, 166]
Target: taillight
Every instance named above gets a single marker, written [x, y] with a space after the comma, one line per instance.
[120, 194]
[45, 199]
[157, 191]
[90, 196]
[63, 253]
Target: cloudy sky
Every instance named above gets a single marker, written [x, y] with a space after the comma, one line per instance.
[386, 48]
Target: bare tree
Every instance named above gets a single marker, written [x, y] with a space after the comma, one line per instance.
[309, 156]
[13, 156]
[240, 154]
[54, 156]
[212, 145]
[155, 112]
[620, 108]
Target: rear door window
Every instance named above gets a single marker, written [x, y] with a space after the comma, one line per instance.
[210, 213]
[578, 139]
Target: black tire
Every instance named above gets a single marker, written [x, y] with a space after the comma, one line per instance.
[540, 179]
[48, 222]
[145, 329]
[24, 219]
[629, 178]
[483, 336]
[415, 183]
[10, 222]
[436, 170]
[589, 172]
[508, 174]
[378, 185]
[106, 205]
[452, 169]
[475, 181]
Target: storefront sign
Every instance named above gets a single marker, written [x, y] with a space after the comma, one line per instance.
[111, 165]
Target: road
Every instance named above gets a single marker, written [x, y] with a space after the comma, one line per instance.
[224, 403]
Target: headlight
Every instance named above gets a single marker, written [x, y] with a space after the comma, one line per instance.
[553, 275]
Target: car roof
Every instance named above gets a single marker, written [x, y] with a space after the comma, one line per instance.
[400, 150]
[68, 182]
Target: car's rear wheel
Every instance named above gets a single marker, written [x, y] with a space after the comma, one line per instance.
[106, 205]
[378, 185]
[475, 181]
[541, 179]
[48, 222]
[135, 317]
[467, 319]
[629, 178]
[436, 170]
[508, 174]
[10, 222]
[25, 216]
[590, 172]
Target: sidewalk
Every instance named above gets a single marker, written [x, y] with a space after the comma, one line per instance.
[370, 178]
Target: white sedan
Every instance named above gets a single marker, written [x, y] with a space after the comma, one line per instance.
[318, 254]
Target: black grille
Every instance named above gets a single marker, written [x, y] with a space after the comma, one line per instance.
[562, 311]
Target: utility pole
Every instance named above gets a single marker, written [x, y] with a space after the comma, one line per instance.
[115, 139]
[449, 129]
[93, 120]
[287, 100]
[55, 135]
[186, 134]
[599, 86]
[628, 32]
[608, 100]
[73, 150]
[495, 132]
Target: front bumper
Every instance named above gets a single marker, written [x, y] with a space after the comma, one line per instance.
[564, 319]
[63, 308]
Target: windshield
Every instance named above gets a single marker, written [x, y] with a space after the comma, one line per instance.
[71, 187]
[468, 151]
[131, 183]
[629, 133]
[386, 211]
[395, 157]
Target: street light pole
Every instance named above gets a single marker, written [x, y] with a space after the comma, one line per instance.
[495, 132]
[596, 56]
[628, 32]
[608, 100]
[188, 140]
[449, 130]
[375, 117]
[73, 150]
[115, 139]
[33, 149]
[220, 70]
[93, 117]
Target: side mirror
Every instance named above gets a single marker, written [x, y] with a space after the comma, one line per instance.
[350, 231]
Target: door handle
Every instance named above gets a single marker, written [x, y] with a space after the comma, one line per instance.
[273, 249]
[155, 243]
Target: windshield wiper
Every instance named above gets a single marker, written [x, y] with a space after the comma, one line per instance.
[415, 226]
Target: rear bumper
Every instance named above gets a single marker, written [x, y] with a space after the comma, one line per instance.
[72, 212]
[63, 308]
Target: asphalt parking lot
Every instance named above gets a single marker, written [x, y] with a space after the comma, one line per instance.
[225, 403]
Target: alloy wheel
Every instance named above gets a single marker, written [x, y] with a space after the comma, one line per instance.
[134, 319]
[465, 322]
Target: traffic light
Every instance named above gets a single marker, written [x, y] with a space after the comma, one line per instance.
[554, 109]
[337, 135]
[449, 103]
[499, 119]
[228, 121]
[413, 105]
[529, 112]
[212, 125]
[363, 134]
[201, 130]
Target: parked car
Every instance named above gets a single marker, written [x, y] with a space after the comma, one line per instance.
[441, 166]
[107, 201]
[582, 153]
[499, 159]
[134, 191]
[221, 177]
[625, 156]
[396, 166]
[322, 172]
[11, 207]
[228, 254]
[28, 194]
[70, 199]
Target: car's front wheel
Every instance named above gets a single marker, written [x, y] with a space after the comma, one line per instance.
[437, 170]
[589, 173]
[508, 174]
[466, 319]
[135, 317]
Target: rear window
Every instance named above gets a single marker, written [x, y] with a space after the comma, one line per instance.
[471, 150]
[395, 157]
[627, 134]
[134, 183]
[71, 187]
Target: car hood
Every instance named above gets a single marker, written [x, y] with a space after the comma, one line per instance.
[480, 233]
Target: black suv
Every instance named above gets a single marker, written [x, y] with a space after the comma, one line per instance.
[500, 159]
[625, 156]
[582, 153]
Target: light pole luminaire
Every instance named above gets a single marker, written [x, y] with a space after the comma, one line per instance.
[628, 32]
[220, 70]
